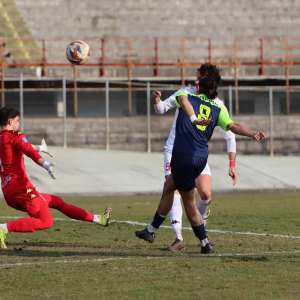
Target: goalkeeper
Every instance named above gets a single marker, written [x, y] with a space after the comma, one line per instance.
[18, 190]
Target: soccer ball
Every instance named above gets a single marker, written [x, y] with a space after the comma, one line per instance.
[77, 52]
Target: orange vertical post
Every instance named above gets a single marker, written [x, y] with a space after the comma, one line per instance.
[129, 75]
[102, 71]
[287, 76]
[156, 58]
[44, 58]
[182, 61]
[236, 76]
[261, 69]
[209, 51]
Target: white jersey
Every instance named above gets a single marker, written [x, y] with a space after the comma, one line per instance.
[170, 103]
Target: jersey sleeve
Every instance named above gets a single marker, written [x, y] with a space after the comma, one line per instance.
[224, 119]
[21, 143]
[229, 137]
[178, 94]
[171, 102]
[164, 106]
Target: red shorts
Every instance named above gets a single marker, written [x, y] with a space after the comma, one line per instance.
[26, 199]
[23, 196]
[38, 205]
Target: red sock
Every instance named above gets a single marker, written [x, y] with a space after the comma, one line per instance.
[69, 210]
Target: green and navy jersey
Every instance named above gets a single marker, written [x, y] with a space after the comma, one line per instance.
[192, 139]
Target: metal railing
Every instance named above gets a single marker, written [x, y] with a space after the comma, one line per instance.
[268, 99]
[157, 54]
[159, 58]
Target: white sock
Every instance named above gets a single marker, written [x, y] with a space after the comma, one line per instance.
[96, 219]
[203, 209]
[151, 229]
[176, 216]
[204, 242]
[4, 227]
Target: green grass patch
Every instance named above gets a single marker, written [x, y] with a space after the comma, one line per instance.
[76, 260]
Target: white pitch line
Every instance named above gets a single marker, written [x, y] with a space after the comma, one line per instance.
[62, 261]
[266, 253]
[17, 217]
[249, 233]
[100, 260]
[221, 231]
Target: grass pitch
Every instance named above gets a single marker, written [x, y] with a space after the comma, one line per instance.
[77, 260]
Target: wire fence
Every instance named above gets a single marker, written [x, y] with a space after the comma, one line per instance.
[111, 111]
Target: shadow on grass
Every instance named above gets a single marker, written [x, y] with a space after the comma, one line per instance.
[42, 249]
[59, 249]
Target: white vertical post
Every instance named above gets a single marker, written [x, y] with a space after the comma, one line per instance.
[21, 90]
[148, 119]
[230, 99]
[107, 133]
[64, 96]
[271, 122]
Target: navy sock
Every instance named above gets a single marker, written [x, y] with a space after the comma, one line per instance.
[157, 220]
[200, 232]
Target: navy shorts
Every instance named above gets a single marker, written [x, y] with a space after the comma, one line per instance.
[185, 169]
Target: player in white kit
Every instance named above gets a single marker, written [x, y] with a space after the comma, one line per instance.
[203, 184]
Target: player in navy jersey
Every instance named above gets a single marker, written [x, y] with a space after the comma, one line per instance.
[204, 181]
[190, 145]
[197, 117]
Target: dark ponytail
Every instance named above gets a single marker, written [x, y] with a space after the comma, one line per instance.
[209, 79]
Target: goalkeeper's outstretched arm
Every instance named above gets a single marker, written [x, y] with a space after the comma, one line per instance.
[21, 143]
[43, 147]
[48, 166]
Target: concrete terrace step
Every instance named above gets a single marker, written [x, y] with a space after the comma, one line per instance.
[130, 133]
[222, 21]
[98, 172]
[16, 34]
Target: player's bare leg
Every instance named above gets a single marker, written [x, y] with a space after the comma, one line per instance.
[195, 219]
[163, 209]
[167, 197]
[203, 185]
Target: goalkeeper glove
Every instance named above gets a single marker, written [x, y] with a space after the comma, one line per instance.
[49, 167]
[44, 148]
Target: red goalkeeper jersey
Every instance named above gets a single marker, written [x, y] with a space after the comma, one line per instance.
[12, 168]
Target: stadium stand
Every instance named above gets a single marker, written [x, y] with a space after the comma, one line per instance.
[256, 40]
[190, 32]
[13, 30]
[215, 18]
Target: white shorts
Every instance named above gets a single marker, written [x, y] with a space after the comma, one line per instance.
[167, 165]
